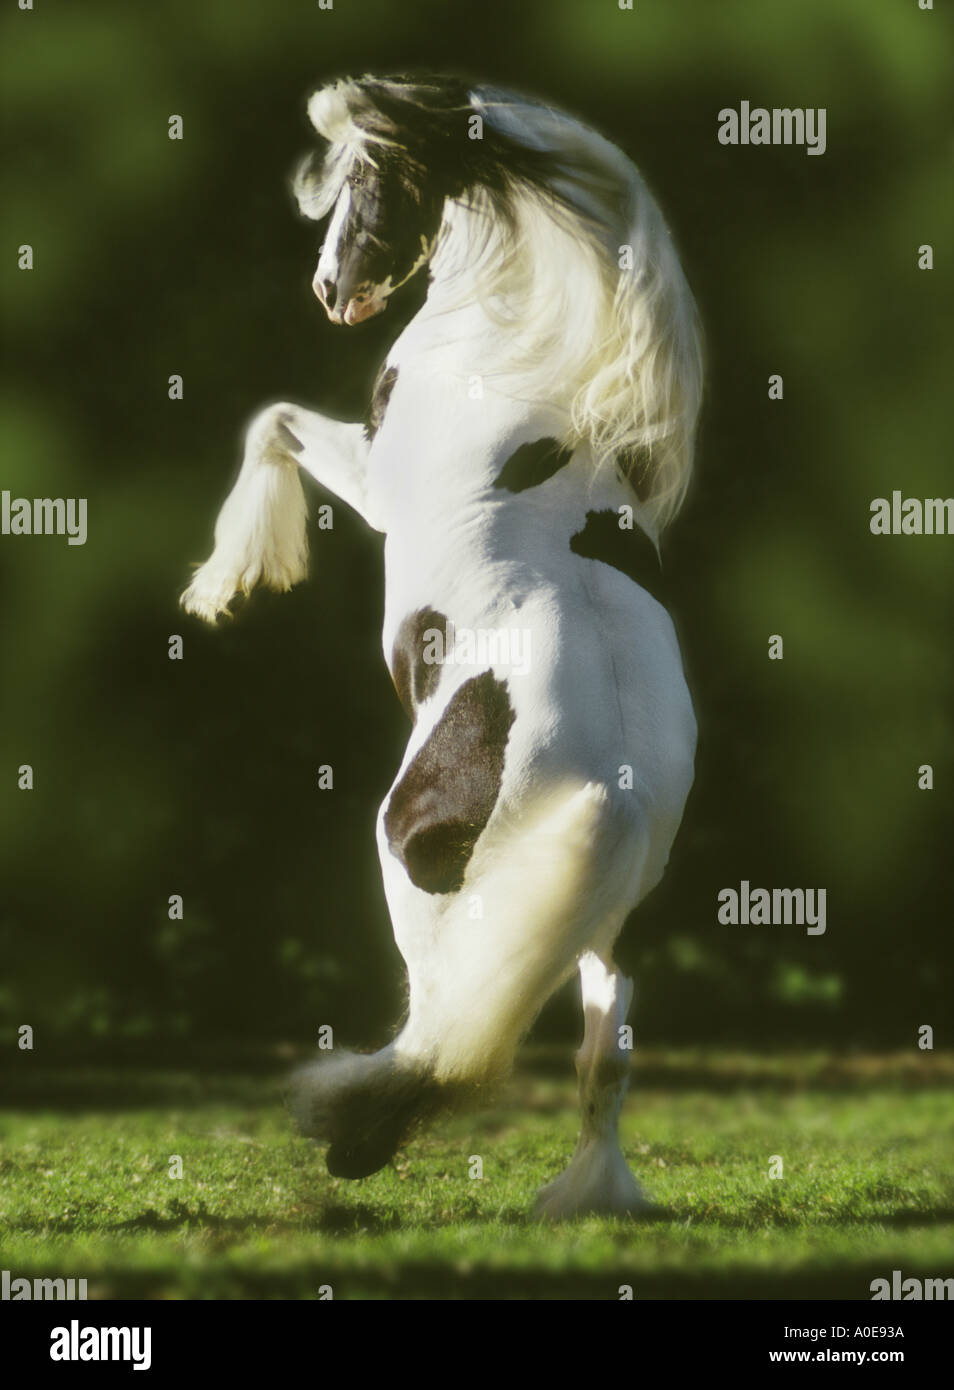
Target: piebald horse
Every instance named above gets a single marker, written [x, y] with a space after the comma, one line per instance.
[530, 435]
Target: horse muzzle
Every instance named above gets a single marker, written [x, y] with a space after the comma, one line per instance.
[357, 309]
[362, 304]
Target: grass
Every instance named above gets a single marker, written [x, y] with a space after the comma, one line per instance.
[867, 1187]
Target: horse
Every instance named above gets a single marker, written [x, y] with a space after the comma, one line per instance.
[533, 421]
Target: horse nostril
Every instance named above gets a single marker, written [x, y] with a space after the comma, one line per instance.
[329, 293]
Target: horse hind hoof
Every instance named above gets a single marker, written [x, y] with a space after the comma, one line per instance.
[355, 1161]
[364, 1106]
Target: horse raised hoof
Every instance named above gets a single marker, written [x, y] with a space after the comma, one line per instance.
[364, 1106]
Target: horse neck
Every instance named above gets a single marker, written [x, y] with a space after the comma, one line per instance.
[452, 332]
[525, 327]
[454, 327]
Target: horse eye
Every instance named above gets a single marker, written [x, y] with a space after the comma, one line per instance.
[355, 180]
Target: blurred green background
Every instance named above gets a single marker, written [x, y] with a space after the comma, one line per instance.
[199, 777]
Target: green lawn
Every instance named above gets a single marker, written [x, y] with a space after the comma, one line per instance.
[867, 1187]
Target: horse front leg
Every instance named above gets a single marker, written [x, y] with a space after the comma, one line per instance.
[598, 1179]
[260, 535]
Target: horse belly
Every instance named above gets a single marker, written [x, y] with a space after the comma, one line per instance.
[585, 694]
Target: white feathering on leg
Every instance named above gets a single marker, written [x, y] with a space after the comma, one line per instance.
[260, 534]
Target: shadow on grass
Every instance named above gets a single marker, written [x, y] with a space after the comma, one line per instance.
[91, 1087]
[338, 1219]
[334, 1219]
[101, 1088]
[439, 1281]
[757, 1219]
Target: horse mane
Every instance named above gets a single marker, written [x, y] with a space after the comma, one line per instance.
[553, 228]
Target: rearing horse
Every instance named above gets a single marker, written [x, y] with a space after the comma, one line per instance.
[536, 415]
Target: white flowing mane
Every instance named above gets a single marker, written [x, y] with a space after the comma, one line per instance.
[558, 237]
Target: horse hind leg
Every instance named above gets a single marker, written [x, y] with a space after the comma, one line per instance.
[598, 1180]
[475, 985]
